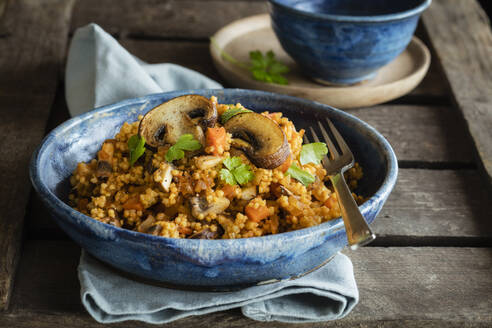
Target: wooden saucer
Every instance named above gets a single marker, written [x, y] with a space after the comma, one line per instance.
[394, 80]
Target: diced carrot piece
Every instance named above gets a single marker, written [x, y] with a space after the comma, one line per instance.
[257, 214]
[217, 138]
[331, 202]
[185, 230]
[285, 165]
[229, 191]
[133, 204]
[106, 152]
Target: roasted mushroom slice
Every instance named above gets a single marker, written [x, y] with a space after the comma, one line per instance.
[104, 159]
[181, 115]
[149, 226]
[260, 138]
[200, 208]
[207, 234]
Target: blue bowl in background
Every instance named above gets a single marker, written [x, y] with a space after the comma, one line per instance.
[194, 262]
[344, 41]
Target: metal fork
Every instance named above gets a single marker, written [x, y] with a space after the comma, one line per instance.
[358, 232]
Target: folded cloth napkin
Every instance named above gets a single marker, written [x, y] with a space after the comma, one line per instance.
[100, 71]
[326, 294]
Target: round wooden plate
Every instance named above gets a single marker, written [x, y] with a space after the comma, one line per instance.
[254, 33]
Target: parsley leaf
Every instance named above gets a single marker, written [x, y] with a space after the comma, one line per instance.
[227, 176]
[313, 153]
[228, 114]
[263, 68]
[243, 174]
[185, 142]
[188, 142]
[266, 68]
[236, 171]
[232, 162]
[304, 177]
[136, 145]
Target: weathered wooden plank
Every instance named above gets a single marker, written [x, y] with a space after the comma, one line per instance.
[420, 133]
[433, 88]
[399, 287]
[193, 55]
[28, 76]
[163, 19]
[3, 5]
[464, 50]
[436, 204]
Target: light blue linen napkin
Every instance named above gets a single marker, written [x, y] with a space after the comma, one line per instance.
[328, 293]
[99, 72]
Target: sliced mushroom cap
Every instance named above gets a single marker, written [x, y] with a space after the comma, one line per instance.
[260, 138]
[104, 169]
[181, 115]
[149, 226]
[207, 234]
[200, 206]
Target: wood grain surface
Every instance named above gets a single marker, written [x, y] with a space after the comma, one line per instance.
[462, 39]
[423, 278]
[29, 65]
[420, 133]
[436, 204]
[150, 19]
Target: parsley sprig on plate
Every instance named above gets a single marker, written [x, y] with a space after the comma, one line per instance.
[236, 172]
[263, 67]
[266, 68]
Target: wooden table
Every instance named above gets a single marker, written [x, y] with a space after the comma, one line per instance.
[431, 265]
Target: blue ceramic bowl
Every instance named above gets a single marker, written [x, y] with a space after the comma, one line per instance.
[194, 262]
[344, 41]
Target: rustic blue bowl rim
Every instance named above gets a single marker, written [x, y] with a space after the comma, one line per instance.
[356, 19]
[329, 227]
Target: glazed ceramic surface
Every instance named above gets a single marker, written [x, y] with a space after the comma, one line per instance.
[193, 262]
[344, 41]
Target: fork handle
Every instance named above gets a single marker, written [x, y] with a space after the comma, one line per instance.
[358, 232]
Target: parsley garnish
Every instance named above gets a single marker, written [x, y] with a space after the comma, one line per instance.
[263, 68]
[313, 153]
[228, 114]
[136, 145]
[236, 172]
[304, 177]
[185, 142]
[266, 68]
